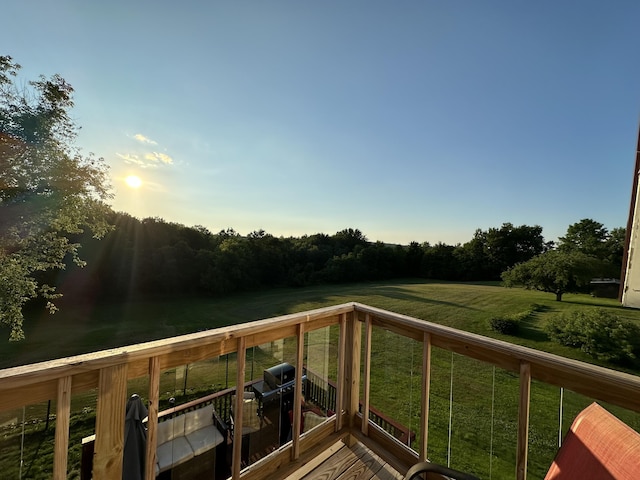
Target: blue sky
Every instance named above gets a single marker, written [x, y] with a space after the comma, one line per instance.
[411, 120]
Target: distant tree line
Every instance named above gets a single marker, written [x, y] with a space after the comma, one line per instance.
[152, 256]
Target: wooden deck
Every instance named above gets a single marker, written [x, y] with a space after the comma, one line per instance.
[341, 462]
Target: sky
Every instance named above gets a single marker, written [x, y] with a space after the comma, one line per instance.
[408, 120]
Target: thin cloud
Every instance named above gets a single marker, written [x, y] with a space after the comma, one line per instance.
[159, 157]
[133, 159]
[142, 139]
[146, 159]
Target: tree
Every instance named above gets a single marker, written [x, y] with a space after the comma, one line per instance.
[413, 259]
[553, 272]
[509, 245]
[614, 247]
[49, 192]
[586, 236]
[347, 240]
[592, 238]
[439, 262]
[491, 252]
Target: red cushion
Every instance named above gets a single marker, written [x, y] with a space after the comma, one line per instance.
[597, 447]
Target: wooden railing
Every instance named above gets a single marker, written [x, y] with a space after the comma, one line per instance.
[109, 371]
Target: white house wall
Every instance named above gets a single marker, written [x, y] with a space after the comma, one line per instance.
[631, 291]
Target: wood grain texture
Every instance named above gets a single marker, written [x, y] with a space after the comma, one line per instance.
[110, 415]
[237, 437]
[297, 400]
[63, 414]
[367, 374]
[152, 422]
[341, 372]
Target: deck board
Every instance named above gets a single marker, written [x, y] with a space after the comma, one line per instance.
[334, 466]
[355, 463]
[383, 471]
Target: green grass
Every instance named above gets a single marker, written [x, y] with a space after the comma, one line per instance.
[82, 328]
[478, 392]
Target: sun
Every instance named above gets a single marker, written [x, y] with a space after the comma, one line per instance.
[133, 181]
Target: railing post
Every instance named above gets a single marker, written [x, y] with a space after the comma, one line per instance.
[523, 421]
[341, 371]
[63, 413]
[297, 394]
[152, 422]
[110, 415]
[367, 375]
[237, 409]
[352, 367]
[424, 404]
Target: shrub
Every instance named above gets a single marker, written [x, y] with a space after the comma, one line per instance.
[536, 307]
[510, 324]
[506, 324]
[599, 333]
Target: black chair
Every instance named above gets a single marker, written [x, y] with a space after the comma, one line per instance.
[416, 472]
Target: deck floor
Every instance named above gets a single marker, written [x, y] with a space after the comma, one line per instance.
[347, 463]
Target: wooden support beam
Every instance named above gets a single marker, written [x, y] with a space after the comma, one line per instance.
[237, 409]
[152, 422]
[352, 368]
[523, 421]
[297, 395]
[341, 368]
[367, 375]
[110, 415]
[63, 414]
[424, 403]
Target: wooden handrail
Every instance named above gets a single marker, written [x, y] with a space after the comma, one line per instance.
[39, 382]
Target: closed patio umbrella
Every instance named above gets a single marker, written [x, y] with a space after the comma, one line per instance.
[135, 440]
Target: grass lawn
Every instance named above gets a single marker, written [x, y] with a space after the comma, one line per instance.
[482, 401]
[80, 328]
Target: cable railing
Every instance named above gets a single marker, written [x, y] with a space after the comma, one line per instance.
[350, 388]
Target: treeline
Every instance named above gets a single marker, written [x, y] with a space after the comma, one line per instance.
[151, 257]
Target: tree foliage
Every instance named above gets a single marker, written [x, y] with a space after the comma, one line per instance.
[614, 248]
[554, 272]
[594, 239]
[491, 252]
[48, 190]
[586, 236]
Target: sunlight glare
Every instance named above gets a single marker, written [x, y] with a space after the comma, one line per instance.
[133, 181]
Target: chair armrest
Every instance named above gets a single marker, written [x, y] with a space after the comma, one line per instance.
[426, 467]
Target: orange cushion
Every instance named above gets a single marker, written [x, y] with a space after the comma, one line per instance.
[597, 447]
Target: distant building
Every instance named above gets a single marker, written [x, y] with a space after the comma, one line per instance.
[605, 287]
[630, 291]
